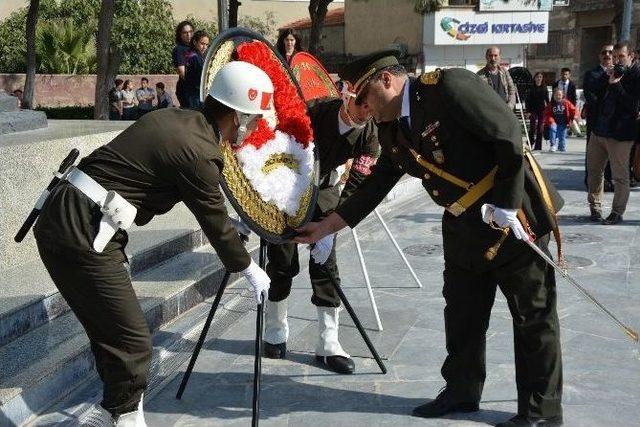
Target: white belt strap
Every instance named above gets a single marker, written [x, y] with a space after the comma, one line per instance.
[117, 213]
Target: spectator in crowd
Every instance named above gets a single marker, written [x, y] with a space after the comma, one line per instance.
[164, 99]
[613, 134]
[184, 33]
[558, 115]
[115, 101]
[595, 83]
[498, 77]
[145, 96]
[566, 85]
[18, 94]
[288, 43]
[128, 101]
[536, 103]
[194, 64]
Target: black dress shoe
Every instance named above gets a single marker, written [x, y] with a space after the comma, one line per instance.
[444, 404]
[612, 219]
[522, 421]
[339, 364]
[274, 351]
[596, 215]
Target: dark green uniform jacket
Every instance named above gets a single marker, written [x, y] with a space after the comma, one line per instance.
[335, 149]
[167, 156]
[463, 127]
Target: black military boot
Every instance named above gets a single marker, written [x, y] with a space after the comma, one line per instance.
[445, 403]
[613, 219]
[596, 215]
[522, 421]
[274, 351]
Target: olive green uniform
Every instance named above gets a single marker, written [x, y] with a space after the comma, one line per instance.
[334, 150]
[166, 157]
[460, 125]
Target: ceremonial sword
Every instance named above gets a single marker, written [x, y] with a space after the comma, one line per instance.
[493, 250]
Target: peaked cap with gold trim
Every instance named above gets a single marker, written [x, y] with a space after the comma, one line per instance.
[360, 71]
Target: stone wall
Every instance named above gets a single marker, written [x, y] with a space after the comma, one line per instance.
[28, 162]
[60, 90]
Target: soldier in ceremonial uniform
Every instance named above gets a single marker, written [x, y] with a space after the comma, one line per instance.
[342, 131]
[167, 156]
[452, 131]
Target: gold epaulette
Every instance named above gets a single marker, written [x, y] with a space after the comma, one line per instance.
[431, 78]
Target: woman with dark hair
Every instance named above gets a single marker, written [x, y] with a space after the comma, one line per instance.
[184, 33]
[536, 103]
[288, 43]
[194, 64]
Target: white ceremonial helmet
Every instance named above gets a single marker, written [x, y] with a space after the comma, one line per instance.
[243, 87]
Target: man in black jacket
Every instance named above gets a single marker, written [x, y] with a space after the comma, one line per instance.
[566, 85]
[613, 134]
[594, 85]
[451, 130]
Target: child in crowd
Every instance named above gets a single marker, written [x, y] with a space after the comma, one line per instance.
[557, 116]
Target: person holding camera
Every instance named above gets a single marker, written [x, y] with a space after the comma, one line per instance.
[613, 134]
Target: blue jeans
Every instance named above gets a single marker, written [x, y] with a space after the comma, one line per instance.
[558, 132]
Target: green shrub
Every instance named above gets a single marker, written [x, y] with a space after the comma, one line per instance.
[74, 112]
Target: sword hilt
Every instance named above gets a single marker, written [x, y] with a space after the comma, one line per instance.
[632, 334]
[492, 252]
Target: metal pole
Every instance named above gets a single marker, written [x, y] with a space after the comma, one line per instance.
[365, 273]
[524, 123]
[625, 30]
[395, 243]
[203, 334]
[223, 15]
[257, 365]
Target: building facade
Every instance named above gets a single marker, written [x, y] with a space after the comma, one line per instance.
[576, 34]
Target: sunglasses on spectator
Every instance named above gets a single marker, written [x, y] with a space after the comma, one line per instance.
[606, 52]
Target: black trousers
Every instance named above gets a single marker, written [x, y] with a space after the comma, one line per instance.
[98, 289]
[528, 284]
[283, 265]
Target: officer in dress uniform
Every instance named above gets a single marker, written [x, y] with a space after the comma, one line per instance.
[342, 132]
[452, 131]
[166, 157]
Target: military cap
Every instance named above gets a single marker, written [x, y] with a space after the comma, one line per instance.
[360, 71]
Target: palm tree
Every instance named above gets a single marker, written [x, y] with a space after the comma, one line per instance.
[64, 48]
[108, 60]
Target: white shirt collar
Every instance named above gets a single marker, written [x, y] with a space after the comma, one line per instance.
[406, 102]
[343, 127]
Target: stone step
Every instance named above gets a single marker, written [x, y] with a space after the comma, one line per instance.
[21, 121]
[31, 299]
[47, 364]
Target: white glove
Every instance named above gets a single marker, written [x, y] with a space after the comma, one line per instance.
[504, 218]
[321, 250]
[258, 279]
[240, 226]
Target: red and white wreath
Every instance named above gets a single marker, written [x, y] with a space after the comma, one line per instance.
[277, 158]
